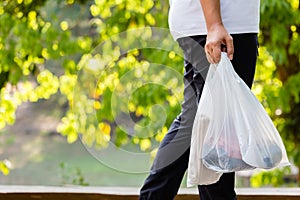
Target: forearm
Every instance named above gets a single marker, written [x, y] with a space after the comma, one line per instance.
[217, 35]
[212, 13]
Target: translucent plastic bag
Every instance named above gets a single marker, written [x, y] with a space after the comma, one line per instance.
[232, 131]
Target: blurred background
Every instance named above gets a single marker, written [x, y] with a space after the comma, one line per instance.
[90, 87]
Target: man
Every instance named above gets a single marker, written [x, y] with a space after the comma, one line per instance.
[216, 25]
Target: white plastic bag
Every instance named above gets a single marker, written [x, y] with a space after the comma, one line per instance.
[232, 131]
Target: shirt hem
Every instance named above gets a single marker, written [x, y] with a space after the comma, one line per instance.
[176, 34]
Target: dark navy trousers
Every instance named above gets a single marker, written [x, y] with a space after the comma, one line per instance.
[171, 161]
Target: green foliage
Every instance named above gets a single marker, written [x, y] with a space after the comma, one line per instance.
[71, 175]
[274, 178]
[4, 168]
[110, 70]
[28, 40]
[277, 77]
[55, 36]
[282, 43]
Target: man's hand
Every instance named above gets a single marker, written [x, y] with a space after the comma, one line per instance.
[218, 40]
[217, 35]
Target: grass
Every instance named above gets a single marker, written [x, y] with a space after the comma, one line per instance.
[45, 166]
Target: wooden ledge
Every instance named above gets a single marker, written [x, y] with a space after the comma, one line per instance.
[12, 192]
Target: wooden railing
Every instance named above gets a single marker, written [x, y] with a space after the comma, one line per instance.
[124, 193]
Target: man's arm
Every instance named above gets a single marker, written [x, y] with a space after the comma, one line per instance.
[217, 35]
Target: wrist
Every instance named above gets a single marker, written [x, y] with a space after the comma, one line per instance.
[214, 26]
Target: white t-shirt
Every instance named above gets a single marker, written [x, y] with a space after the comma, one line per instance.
[239, 16]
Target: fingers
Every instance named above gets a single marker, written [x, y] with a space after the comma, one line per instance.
[213, 52]
[213, 49]
[229, 47]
